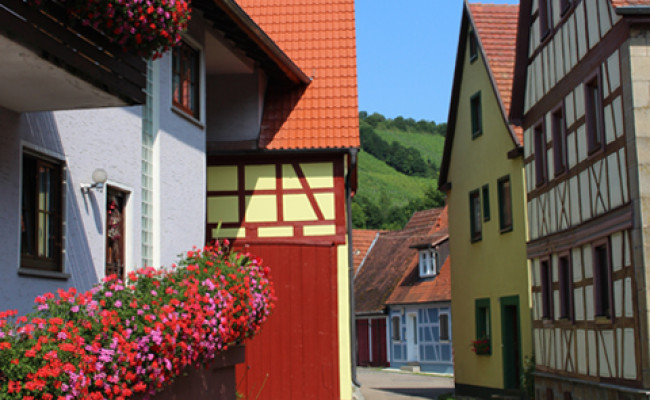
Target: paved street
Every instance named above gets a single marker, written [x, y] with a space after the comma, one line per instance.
[382, 385]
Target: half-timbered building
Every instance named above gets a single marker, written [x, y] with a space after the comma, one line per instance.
[402, 297]
[225, 136]
[280, 187]
[482, 174]
[581, 96]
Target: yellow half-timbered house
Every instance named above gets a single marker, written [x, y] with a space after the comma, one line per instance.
[482, 174]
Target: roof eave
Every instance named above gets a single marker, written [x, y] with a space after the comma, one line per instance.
[286, 64]
[633, 10]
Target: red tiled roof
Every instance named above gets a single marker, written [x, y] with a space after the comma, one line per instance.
[427, 291]
[320, 38]
[496, 25]
[627, 3]
[412, 289]
[362, 239]
[391, 259]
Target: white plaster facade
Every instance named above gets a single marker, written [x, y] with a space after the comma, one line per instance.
[112, 138]
[108, 138]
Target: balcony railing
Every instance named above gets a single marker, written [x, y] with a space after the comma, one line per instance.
[53, 34]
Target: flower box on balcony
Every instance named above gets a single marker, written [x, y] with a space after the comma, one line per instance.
[124, 339]
[147, 28]
[481, 346]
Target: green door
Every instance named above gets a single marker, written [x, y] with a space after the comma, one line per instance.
[511, 340]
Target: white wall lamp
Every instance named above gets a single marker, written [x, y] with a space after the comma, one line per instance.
[99, 179]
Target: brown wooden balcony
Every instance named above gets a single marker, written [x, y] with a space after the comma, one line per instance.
[48, 61]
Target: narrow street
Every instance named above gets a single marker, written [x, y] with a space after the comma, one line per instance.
[384, 385]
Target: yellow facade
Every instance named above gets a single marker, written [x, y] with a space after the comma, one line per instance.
[495, 266]
[265, 192]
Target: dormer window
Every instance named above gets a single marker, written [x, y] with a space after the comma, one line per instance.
[428, 263]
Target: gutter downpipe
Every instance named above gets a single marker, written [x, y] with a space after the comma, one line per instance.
[353, 328]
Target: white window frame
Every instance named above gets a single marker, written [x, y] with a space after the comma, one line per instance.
[396, 334]
[428, 263]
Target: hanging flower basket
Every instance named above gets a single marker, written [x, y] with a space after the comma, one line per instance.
[123, 339]
[481, 346]
[145, 27]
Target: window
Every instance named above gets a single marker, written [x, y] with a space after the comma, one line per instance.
[566, 288]
[41, 241]
[444, 327]
[540, 154]
[473, 46]
[559, 143]
[185, 79]
[505, 204]
[414, 327]
[603, 306]
[396, 328]
[482, 313]
[545, 15]
[477, 124]
[547, 289]
[486, 202]
[594, 114]
[428, 263]
[475, 215]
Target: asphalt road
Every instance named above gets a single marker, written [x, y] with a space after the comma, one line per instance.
[383, 385]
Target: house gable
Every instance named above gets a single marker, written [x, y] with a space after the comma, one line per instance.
[490, 64]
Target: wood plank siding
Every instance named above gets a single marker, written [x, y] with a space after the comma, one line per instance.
[50, 32]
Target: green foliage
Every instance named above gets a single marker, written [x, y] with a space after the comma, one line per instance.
[446, 396]
[398, 170]
[527, 378]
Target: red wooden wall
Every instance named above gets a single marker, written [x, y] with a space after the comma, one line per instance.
[296, 354]
[363, 343]
[371, 338]
[379, 358]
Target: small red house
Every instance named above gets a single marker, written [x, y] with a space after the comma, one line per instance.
[406, 275]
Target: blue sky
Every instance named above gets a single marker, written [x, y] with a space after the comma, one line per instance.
[406, 52]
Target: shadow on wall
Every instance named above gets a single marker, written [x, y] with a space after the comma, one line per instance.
[79, 262]
[39, 131]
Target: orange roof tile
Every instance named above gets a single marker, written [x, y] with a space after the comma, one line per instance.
[496, 26]
[424, 291]
[320, 38]
[362, 241]
[627, 3]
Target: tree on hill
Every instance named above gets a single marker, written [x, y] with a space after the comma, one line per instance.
[377, 120]
[379, 210]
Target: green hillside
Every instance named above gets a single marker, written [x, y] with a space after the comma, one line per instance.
[375, 177]
[398, 168]
[430, 146]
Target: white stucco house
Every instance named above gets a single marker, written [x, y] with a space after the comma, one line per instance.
[145, 127]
